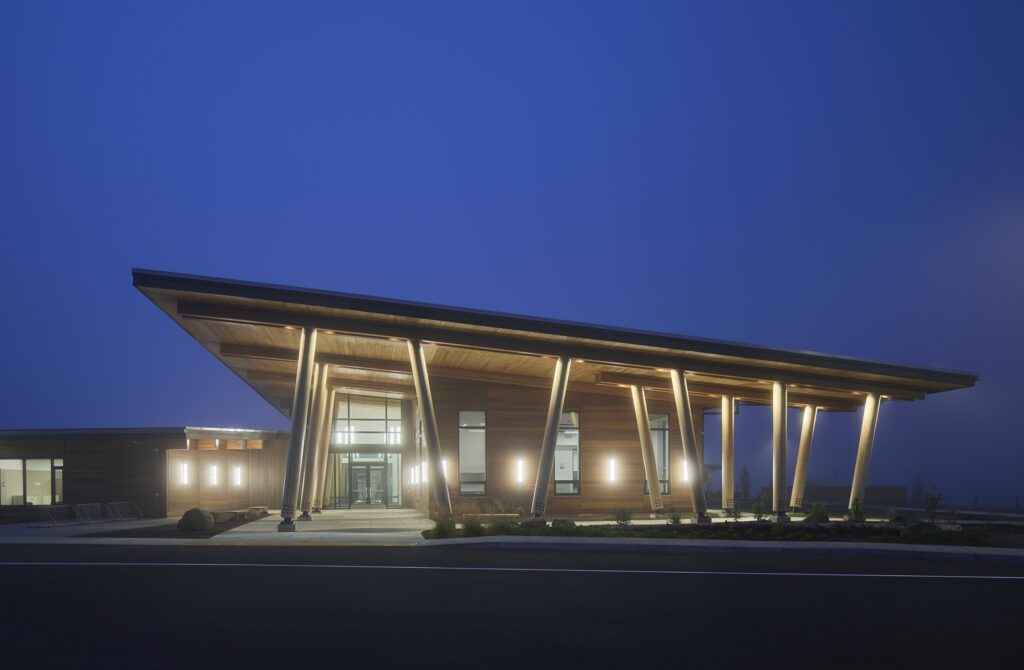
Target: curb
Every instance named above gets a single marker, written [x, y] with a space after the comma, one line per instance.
[704, 547]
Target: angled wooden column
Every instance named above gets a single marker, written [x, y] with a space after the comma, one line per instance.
[300, 420]
[310, 423]
[689, 437]
[867, 442]
[320, 477]
[779, 408]
[802, 457]
[559, 384]
[728, 452]
[643, 426]
[313, 447]
[421, 381]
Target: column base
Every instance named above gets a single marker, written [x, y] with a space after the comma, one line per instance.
[316, 511]
[286, 526]
[701, 520]
[305, 517]
[778, 517]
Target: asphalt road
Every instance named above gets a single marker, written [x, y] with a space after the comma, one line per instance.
[243, 607]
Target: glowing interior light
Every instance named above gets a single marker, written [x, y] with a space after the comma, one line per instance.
[444, 467]
[686, 471]
[214, 475]
[412, 475]
[184, 473]
[519, 471]
[611, 469]
[237, 475]
[423, 472]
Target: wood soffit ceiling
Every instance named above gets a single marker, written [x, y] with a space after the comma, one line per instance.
[256, 334]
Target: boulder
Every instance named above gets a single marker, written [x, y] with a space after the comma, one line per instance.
[196, 519]
[223, 517]
[920, 529]
[816, 517]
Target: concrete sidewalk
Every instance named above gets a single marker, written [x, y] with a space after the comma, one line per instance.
[681, 546]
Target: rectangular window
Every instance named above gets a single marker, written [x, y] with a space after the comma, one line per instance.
[472, 453]
[366, 420]
[659, 436]
[12, 481]
[58, 481]
[567, 455]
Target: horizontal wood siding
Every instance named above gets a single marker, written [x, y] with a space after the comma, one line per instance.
[118, 468]
[515, 427]
[262, 478]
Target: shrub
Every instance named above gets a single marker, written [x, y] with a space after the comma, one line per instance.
[675, 515]
[563, 525]
[623, 516]
[443, 528]
[502, 527]
[472, 528]
[856, 512]
[817, 514]
[734, 512]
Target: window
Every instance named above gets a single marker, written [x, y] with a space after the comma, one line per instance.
[12, 482]
[472, 453]
[659, 436]
[567, 455]
[31, 481]
[365, 420]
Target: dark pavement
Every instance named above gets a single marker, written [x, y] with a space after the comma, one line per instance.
[464, 608]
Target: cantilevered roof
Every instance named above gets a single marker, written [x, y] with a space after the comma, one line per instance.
[254, 329]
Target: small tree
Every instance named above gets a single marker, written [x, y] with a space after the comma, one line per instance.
[856, 512]
[734, 512]
[760, 508]
[931, 505]
[623, 516]
[745, 484]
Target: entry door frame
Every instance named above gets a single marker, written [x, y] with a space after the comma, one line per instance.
[367, 469]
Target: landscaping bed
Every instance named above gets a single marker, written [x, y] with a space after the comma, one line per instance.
[989, 535]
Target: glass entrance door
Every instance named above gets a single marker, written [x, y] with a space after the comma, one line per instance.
[368, 485]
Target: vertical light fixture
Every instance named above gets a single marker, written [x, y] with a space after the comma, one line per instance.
[444, 467]
[611, 469]
[214, 475]
[519, 471]
[423, 472]
[184, 473]
[238, 475]
[686, 471]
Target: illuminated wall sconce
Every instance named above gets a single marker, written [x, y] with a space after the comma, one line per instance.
[686, 471]
[423, 472]
[184, 473]
[237, 475]
[444, 468]
[611, 469]
[519, 471]
[413, 479]
[214, 475]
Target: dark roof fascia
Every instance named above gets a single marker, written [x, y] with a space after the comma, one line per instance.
[183, 431]
[156, 279]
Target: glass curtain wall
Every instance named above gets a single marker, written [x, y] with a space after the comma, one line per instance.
[365, 420]
[567, 455]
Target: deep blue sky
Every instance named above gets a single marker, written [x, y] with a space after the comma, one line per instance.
[839, 177]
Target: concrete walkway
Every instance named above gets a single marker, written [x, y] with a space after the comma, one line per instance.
[371, 526]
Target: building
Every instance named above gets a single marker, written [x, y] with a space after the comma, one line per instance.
[165, 471]
[452, 410]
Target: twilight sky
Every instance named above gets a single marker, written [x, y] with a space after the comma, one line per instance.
[839, 177]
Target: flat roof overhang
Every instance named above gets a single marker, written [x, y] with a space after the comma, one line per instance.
[254, 329]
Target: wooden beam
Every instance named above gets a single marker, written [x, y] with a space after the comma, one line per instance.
[534, 346]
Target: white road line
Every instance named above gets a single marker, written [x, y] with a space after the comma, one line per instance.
[448, 568]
